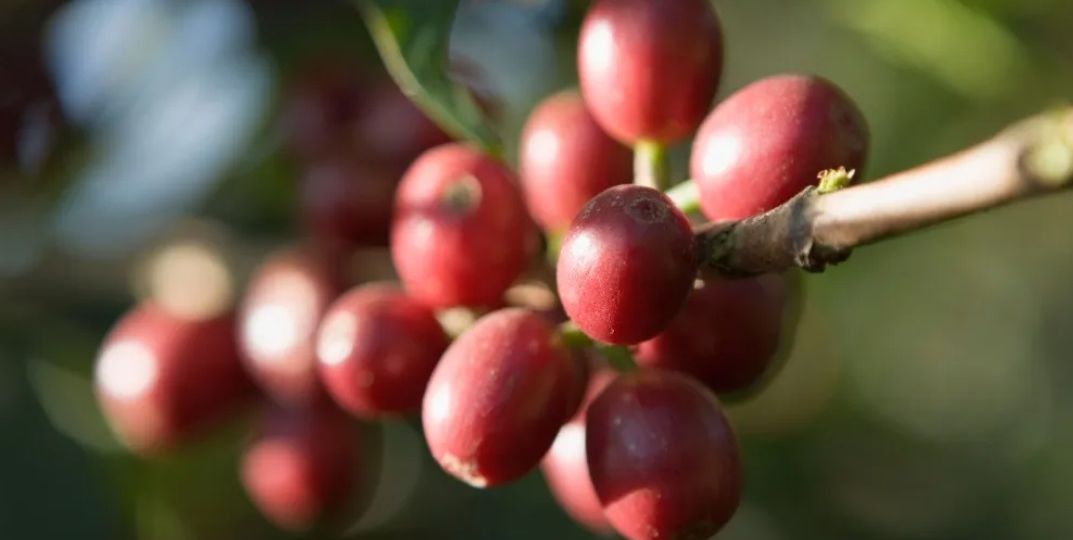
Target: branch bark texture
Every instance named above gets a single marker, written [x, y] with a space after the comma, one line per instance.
[811, 231]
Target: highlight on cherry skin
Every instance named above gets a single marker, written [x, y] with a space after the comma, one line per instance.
[303, 466]
[626, 265]
[566, 468]
[163, 379]
[499, 396]
[376, 349]
[649, 70]
[280, 311]
[805, 124]
[566, 159]
[461, 234]
[663, 459]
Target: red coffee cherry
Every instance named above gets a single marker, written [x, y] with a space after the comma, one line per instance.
[392, 130]
[566, 468]
[162, 379]
[282, 307]
[303, 467]
[663, 459]
[726, 334]
[461, 234]
[566, 160]
[319, 109]
[377, 348]
[770, 140]
[649, 70]
[498, 397]
[347, 202]
[626, 265]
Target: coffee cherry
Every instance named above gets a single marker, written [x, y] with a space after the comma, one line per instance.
[725, 335]
[770, 140]
[392, 130]
[347, 201]
[566, 467]
[649, 70]
[663, 459]
[302, 468]
[566, 160]
[280, 313]
[377, 348]
[162, 379]
[626, 265]
[319, 109]
[498, 397]
[461, 233]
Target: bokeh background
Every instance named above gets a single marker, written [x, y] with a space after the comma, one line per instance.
[926, 394]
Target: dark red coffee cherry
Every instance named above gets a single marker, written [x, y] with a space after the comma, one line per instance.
[282, 307]
[726, 334]
[320, 107]
[498, 397]
[770, 140]
[162, 379]
[348, 201]
[626, 265]
[461, 234]
[663, 459]
[649, 70]
[377, 348]
[566, 160]
[392, 130]
[566, 467]
[302, 468]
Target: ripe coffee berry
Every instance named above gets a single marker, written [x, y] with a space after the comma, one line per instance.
[566, 160]
[302, 468]
[566, 467]
[461, 234]
[770, 140]
[280, 313]
[649, 70]
[663, 459]
[498, 397]
[392, 130]
[161, 379]
[377, 348]
[346, 201]
[626, 265]
[726, 334]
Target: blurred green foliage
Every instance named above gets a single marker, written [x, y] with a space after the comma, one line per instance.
[926, 396]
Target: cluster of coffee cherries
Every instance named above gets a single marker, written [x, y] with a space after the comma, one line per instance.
[641, 446]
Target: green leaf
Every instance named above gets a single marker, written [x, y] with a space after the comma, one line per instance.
[412, 38]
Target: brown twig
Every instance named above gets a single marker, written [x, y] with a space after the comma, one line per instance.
[811, 231]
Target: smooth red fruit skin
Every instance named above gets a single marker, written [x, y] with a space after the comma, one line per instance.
[376, 349]
[770, 140]
[649, 70]
[319, 109]
[566, 467]
[626, 265]
[461, 234]
[302, 467]
[663, 458]
[162, 379]
[566, 160]
[392, 129]
[280, 312]
[498, 397]
[726, 334]
[347, 201]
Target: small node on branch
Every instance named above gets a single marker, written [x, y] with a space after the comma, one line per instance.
[834, 179]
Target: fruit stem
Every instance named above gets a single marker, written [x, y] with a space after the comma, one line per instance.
[685, 196]
[650, 164]
[620, 358]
